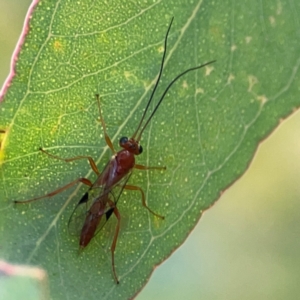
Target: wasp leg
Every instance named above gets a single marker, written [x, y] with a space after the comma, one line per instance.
[106, 136]
[114, 243]
[82, 180]
[91, 161]
[136, 188]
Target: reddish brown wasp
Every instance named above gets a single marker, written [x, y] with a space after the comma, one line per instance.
[100, 201]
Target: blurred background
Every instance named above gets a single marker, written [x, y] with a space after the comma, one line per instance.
[247, 246]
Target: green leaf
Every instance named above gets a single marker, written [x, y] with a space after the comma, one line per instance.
[205, 132]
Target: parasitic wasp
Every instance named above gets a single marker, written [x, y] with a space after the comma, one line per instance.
[99, 202]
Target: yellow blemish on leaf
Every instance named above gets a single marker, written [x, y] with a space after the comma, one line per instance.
[54, 129]
[199, 91]
[216, 32]
[263, 99]
[103, 38]
[185, 85]
[130, 76]
[233, 48]
[272, 21]
[230, 78]
[208, 70]
[248, 39]
[56, 126]
[161, 49]
[58, 46]
[157, 222]
[114, 73]
[252, 80]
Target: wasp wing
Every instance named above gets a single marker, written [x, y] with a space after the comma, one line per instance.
[114, 195]
[78, 216]
[100, 193]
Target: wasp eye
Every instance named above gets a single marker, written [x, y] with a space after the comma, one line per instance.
[140, 149]
[123, 140]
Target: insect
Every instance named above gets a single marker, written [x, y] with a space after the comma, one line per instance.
[100, 200]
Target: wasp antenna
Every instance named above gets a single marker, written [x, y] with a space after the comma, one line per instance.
[165, 92]
[157, 81]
